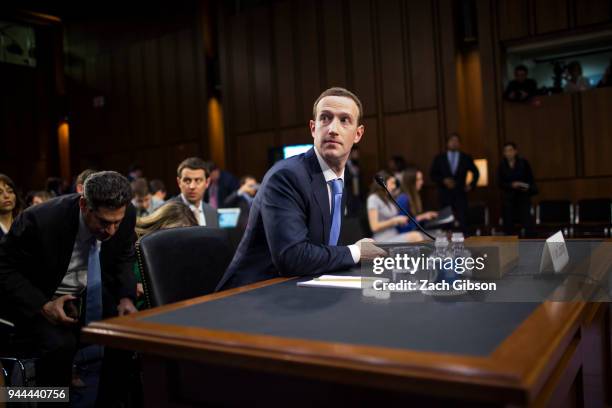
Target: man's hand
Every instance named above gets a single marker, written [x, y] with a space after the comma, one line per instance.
[126, 307]
[53, 311]
[449, 183]
[139, 290]
[369, 250]
[427, 215]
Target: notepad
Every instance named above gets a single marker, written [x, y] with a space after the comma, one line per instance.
[336, 281]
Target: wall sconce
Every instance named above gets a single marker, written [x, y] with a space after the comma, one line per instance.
[483, 169]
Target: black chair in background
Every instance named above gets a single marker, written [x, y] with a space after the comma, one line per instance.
[16, 369]
[478, 219]
[554, 215]
[182, 263]
[593, 218]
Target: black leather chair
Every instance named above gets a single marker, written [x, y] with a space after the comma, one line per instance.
[182, 263]
[593, 218]
[554, 215]
[478, 219]
[16, 370]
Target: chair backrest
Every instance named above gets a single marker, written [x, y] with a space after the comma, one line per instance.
[595, 210]
[554, 212]
[182, 263]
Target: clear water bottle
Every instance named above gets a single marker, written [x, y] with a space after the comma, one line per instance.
[440, 254]
[458, 250]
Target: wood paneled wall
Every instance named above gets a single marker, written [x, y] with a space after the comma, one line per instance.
[282, 55]
[417, 84]
[153, 87]
[565, 137]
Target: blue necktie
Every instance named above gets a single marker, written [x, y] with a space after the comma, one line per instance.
[454, 161]
[336, 189]
[94, 285]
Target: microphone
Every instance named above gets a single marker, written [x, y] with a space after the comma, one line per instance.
[381, 182]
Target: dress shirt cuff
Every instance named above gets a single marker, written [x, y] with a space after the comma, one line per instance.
[355, 252]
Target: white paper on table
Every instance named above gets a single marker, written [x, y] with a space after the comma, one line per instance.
[335, 281]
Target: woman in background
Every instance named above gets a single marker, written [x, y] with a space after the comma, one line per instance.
[383, 216]
[173, 214]
[410, 200]
[10, 204]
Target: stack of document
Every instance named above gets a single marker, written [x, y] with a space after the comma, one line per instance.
[337, 281]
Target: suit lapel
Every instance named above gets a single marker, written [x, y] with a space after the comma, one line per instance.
[68, 238]
[319, 189]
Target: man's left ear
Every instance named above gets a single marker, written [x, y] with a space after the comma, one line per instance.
[360, 130]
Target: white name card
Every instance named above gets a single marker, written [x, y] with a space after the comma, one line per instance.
[554, 255]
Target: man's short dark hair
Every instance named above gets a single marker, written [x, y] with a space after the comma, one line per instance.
[244, 179]
[337, 91]
[83, 176]
[140, 187]
[521, 68]
[107, 189]
[157, 185]
[193, 163]
[510, 144]
[451, 135]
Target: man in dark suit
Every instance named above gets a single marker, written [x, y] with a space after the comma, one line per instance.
[222, 183]
[193, 177]
[296, 217]
[67, 262]
[243, 199]
[449, 171]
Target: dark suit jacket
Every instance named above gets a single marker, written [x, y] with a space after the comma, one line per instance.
[520, 172]
[226, 185]
[234, 200]
[35, 254]
[288, 227]
[440, 169]
[210, 214]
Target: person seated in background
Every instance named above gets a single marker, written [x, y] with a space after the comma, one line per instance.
[521, 88]
[517, 184]
[37, 197]
[57, 186]
[142, 198]
[576, 82]
[192, 177]
[243, 199]
[449, 171]
[383, 216]
[244, 195]
[80, 180]
[173, 214]
[296, 217]
[66, 263]
[222, 183]
[606, 79]
[10, 204]
[134, 172]
[158, 192]
[410, 200]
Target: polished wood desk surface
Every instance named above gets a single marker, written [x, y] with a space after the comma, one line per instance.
[525, 368]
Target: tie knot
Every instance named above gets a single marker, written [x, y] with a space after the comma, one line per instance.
[336, 186]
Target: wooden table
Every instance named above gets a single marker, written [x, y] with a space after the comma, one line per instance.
[256, 344]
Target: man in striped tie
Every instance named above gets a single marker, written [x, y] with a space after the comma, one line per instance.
[296, 217]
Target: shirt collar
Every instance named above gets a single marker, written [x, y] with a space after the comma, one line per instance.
[191, 206]
[328, 173]
[84, 234]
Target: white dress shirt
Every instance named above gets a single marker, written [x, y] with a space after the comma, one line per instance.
[75, 280]
[330, 175]
[198, 212]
